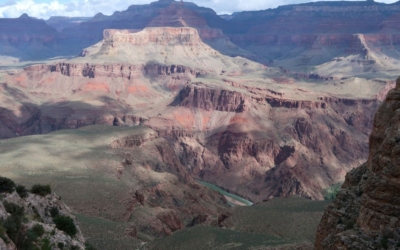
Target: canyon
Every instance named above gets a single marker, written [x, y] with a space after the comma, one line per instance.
[233, 122]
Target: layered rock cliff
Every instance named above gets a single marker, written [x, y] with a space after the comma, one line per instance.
[365, 214]
[194, 96]
[112, 70]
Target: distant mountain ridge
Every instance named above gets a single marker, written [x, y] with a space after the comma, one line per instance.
[27, 38]
[61, 22]
[298, 33]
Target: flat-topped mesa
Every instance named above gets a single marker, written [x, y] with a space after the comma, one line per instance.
[166, 36]
[161, 46]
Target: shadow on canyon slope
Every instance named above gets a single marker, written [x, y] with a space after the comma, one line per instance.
[48, 117]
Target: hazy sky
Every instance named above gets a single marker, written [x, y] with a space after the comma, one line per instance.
[47, 8]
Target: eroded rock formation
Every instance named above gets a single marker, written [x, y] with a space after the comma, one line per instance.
[365, 214]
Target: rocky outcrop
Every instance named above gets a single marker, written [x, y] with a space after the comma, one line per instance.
[196, 96]
[365, 213]
[294, 104]
[38, 227]
[133, 141]
[128, 120]
[110, 70]
[325, 101]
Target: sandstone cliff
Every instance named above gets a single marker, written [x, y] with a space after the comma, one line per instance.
[365, 214]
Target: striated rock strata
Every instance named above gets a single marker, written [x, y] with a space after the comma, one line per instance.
[194, 96]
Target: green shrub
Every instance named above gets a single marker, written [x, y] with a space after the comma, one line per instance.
[41, 190]
[89, 246]
[349, 225]
[13, 209]
[3, 235]
[60, 245]
[66, 224]
[27, 240]
[22, 191]
[6, 185]
[384, 243]
[36, 215]
[12, 225]
[331, 192]
[54, 212]
[46, 245]
[38, 230]
[74, 247]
